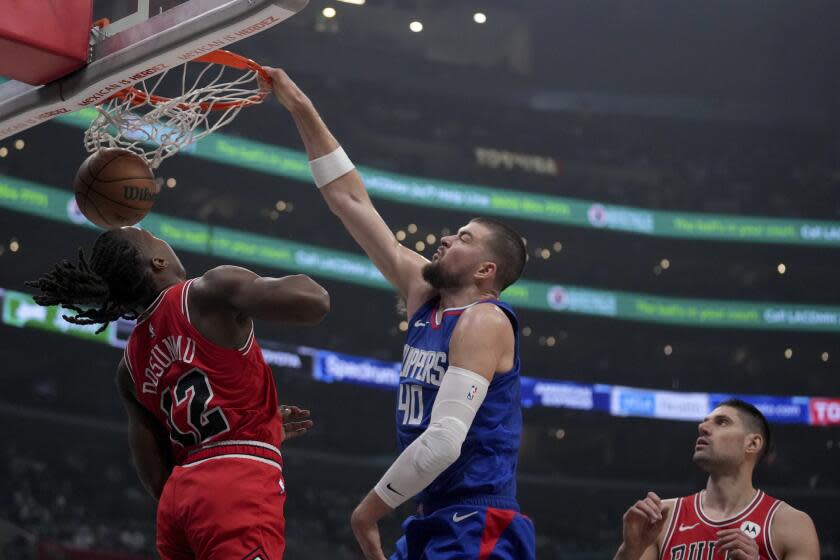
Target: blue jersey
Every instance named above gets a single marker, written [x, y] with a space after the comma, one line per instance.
[485, 473]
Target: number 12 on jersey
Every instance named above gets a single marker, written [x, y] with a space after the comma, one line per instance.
[192, 391]
[411, 403]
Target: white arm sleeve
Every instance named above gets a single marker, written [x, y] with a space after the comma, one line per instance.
[458, 399]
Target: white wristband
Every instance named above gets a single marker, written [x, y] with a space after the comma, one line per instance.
[330, 167]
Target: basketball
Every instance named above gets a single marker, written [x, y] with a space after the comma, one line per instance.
[114, 188]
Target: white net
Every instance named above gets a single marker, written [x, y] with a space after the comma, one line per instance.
[207, 97]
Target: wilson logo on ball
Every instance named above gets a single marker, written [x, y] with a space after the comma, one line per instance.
[137, 193]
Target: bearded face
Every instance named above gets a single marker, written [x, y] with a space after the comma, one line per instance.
[458, 258]
[440, 278]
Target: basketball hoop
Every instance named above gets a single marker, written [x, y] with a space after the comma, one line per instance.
[155, 127]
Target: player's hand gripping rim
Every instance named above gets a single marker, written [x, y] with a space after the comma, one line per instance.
[284, 89]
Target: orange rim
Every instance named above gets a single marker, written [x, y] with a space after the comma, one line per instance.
[226, 58]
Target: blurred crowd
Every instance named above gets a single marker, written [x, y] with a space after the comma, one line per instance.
[64, 505]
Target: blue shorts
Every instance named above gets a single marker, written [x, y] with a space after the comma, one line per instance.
[467, 532]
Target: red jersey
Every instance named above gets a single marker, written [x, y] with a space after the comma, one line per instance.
[205, 394]
[691, 534]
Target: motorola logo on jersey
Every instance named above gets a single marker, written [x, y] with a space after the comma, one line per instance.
[426, 366]
[750, 529]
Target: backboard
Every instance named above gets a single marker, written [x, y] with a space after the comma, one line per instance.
[144, 38]
[123, 14]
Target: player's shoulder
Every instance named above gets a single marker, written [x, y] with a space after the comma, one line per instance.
[485, 311]
[793, 531]
[219, 282]
[487, 316]
[220, 277]
[787, 515]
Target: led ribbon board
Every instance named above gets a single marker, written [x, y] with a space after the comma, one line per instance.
[19, 310]
[476, 199]
[59, 205]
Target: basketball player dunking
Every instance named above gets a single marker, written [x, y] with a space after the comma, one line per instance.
[204, 425]
[458, 414]
[730, 518]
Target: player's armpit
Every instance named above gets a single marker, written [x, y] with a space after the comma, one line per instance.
[147, 439]
[483, 341]
[793, 535]
[291, 299]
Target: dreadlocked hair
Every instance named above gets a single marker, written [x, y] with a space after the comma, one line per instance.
[113, 284]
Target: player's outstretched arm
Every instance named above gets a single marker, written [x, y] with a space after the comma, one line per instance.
[347, 197]
[147, 439]
[793, 535]
[643, 526]
[291, 299]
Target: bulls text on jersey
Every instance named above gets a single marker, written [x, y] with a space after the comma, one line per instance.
[702, 550]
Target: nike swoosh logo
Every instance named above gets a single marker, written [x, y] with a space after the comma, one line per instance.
[388, 486]
[420, 324]
[687, 527]
[458, 518]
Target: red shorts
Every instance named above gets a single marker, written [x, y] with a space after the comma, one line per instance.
[223, 504]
